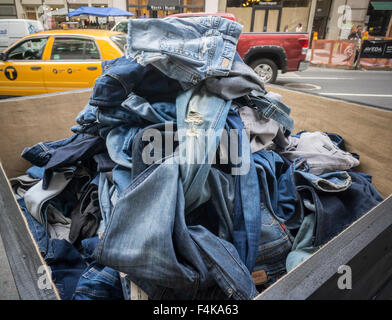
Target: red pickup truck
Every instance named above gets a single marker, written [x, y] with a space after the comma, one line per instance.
[264, 52]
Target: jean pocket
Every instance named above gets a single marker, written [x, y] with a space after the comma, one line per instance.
[275, 243]
[106, 275]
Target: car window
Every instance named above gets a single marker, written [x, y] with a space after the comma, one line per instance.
[120, 40]
[31, 49]
[74, 49]
[121, 27]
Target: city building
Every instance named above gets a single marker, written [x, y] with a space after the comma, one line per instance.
[331, 19]
[163, 8]
[380, 18]
[35, 9]
[8, 9]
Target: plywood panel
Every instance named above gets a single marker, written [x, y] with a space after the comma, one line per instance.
[243, 16]
[292, 16]
[22, 252]
[29, 120]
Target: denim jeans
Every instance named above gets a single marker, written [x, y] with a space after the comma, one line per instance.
[119, 144]
[104, 163]
[135, 111]
[247, 214]
[40, 154]
[36, 196]
[65, 262]
[186, 49]
[339, 210]
[75, 152]
[336, 211]
[86, 216]
[269, 107]
[320, 152]
[157, 112]
[122, 76]
[277, 185]
[240, 81]
[275, 245]
[328, 182]
[278, 198]
[21, 184]
[106, 190]
[303, 246]
[264, 134]
[149, 241]
[36, 172]
[97, 282]
[200, 121]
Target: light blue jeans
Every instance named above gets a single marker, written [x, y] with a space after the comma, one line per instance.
[186, 49]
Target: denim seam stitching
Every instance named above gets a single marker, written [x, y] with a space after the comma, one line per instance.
[223, 274]
[101, 244]
[119, 79]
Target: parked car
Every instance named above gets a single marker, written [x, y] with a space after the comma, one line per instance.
[12, 30]
[57, 60]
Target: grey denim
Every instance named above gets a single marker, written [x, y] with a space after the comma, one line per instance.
[264, 134]
[240, 81]
[58, 225]
[320, 152]
[36, 196]
[21, 184]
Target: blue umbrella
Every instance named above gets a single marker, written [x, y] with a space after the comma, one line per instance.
[100, 12]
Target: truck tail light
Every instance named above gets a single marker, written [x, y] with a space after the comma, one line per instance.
[304, 42]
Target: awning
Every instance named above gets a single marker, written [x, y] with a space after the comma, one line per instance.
[382, 5]
[100, 12]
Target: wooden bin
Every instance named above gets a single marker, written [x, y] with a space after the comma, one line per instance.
[365, 246]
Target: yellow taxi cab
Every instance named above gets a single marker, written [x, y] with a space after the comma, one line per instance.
[57, 60]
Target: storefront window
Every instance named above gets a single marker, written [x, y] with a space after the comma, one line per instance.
[143, 8]
[283, 3]
[379, 19]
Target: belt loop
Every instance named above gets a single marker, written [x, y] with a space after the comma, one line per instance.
[270, 111]
[249, 101]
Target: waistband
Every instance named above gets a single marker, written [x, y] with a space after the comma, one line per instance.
[270, 109]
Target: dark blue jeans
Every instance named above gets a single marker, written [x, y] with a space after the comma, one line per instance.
[247, 214]
[97, 282]
[65, 262]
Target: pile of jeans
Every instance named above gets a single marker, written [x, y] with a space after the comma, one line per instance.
[183, 176]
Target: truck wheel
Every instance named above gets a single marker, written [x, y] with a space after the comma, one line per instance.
[266, 69]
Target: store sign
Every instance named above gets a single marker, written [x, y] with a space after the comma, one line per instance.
[377, 49]
[156, 5]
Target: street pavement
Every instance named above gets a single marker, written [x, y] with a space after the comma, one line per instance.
[372, 88]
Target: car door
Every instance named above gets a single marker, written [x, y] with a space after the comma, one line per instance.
[21, 71]
[75, 63]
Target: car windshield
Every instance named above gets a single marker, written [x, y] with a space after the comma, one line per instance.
[120, 40]
[121, 27]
